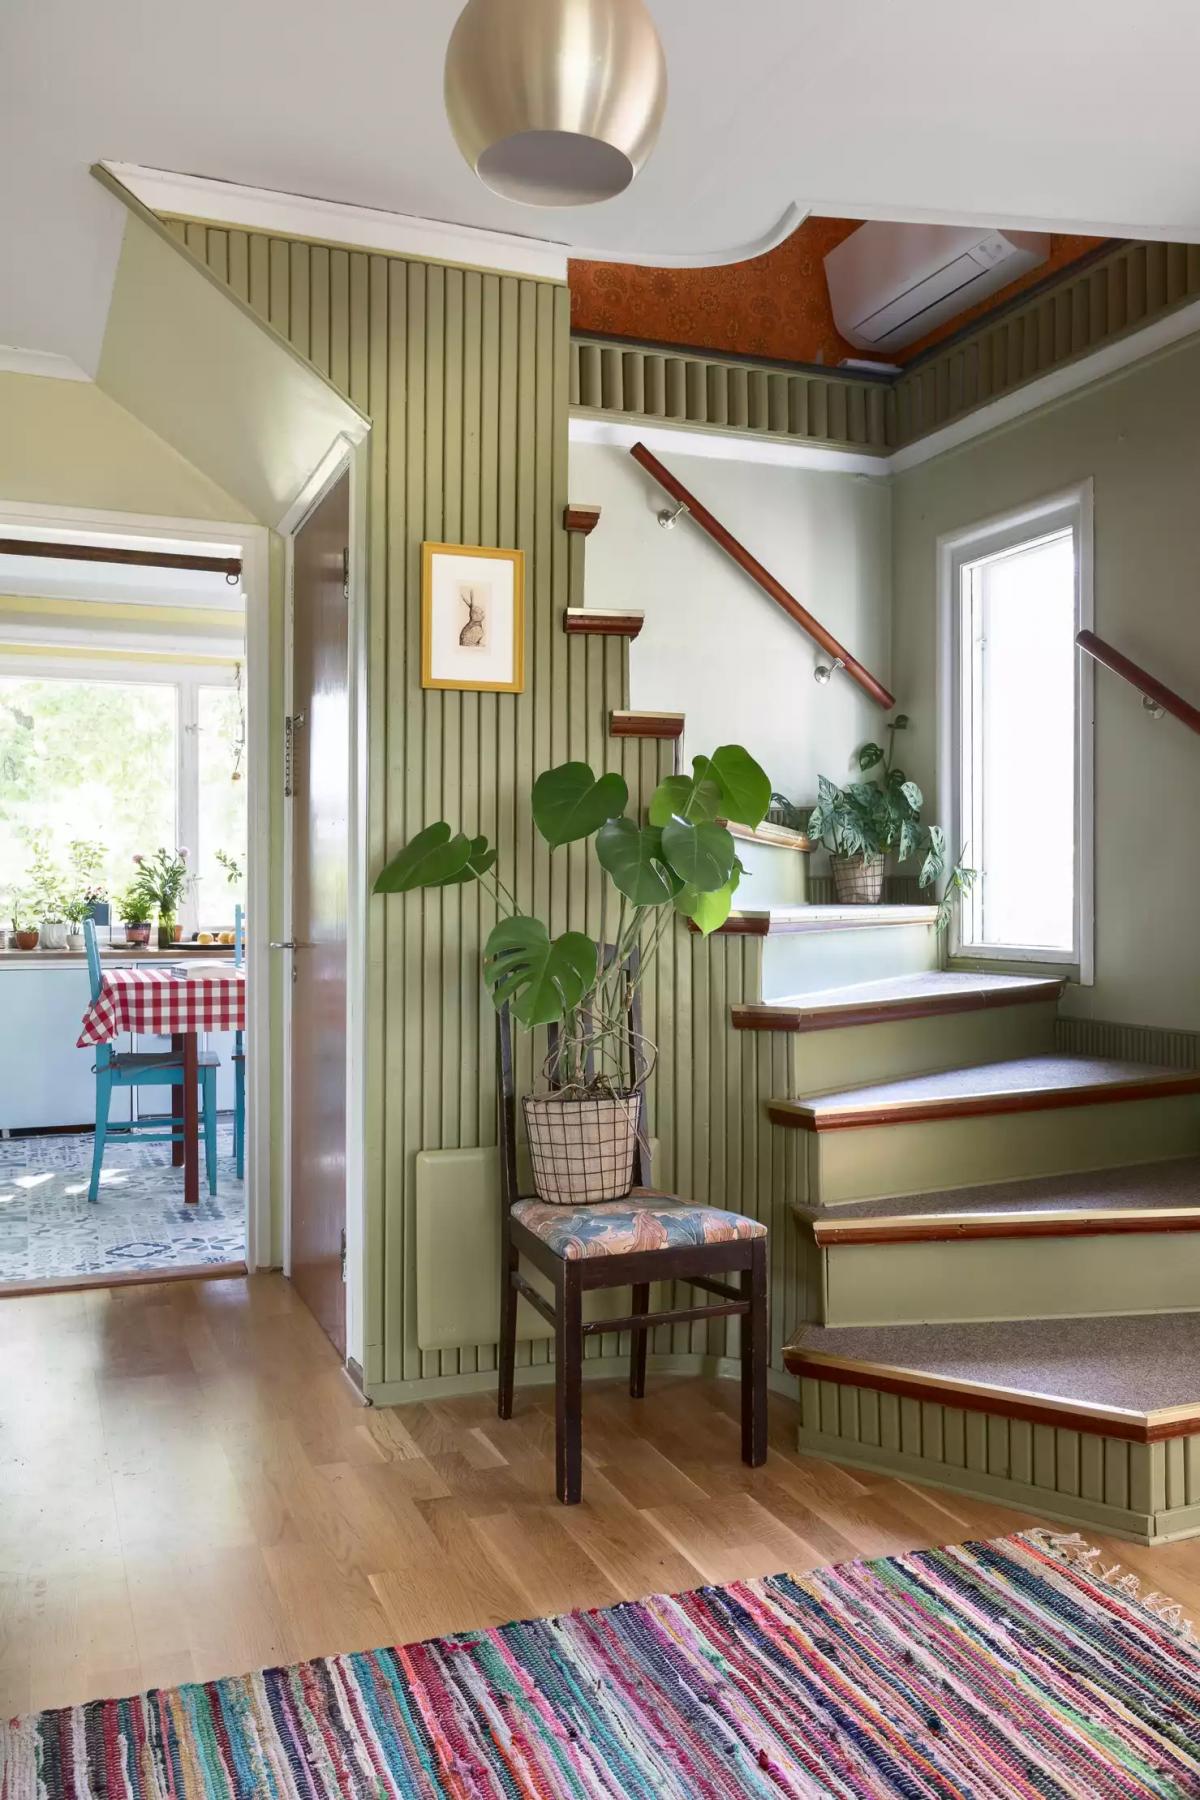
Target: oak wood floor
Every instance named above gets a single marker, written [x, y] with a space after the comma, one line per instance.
[190, 1488]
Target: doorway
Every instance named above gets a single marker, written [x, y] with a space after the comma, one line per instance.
[318, 734]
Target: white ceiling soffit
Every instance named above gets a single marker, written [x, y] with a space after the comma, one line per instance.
[1074, 116]
[185, 357]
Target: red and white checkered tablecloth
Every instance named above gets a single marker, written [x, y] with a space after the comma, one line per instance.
[157, 1003]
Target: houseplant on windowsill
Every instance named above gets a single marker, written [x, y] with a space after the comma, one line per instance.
[680, 863]
[163, 878]
[84, 889]
[859, 825]
[135, 910]
[24, 914]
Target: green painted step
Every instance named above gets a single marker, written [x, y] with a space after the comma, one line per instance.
[1025, 1116]
[909, 1024]
[809, 947]
[1083, 1245]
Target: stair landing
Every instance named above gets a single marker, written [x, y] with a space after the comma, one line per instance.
[1134, 1377]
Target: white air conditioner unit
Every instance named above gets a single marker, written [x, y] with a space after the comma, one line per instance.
[890, 284]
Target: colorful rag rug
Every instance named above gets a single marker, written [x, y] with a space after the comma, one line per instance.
[1006, 1670]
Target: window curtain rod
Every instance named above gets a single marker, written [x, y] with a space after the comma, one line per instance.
[229, 566]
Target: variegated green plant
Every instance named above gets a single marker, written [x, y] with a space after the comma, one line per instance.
[681, 861]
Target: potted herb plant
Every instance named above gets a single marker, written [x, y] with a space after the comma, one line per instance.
[135, 909]
[84, 889]
[859, 824]
[47, 897]
[24, 915]
[680, 863]
[163, 878]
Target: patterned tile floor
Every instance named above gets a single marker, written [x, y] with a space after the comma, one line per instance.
[49, 1231]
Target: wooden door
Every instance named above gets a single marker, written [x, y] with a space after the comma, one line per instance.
[320, 770]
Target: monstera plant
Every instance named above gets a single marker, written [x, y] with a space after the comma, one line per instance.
[680, 861]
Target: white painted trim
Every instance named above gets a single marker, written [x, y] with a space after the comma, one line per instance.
[789, 220]
[722, 446]
[46, 363]
[1073, 505]
[899, 212]
[368, 227]
[251, 542]
[60, 635]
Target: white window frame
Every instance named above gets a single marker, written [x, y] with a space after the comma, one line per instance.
[1068, 509]
[187, 679]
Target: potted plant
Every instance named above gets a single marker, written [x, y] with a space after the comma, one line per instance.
[163, 878]
[24, 915]
[47, 897]
[85, 888]
[135, 909]
[860, 823]
[680, 863]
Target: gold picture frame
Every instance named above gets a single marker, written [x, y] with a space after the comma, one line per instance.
[472, 618]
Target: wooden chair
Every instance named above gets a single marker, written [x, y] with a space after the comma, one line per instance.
[239, 1054]
[149, 1068]
[602, 1245]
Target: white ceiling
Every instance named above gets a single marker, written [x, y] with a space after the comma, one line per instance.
[1072, 114]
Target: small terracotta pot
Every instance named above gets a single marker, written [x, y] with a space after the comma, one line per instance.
[26, 940]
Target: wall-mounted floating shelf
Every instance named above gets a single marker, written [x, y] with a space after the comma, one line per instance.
[645, 725]
[590, 621]
[583, 519]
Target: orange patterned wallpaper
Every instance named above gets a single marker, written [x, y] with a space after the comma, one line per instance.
[774, 306]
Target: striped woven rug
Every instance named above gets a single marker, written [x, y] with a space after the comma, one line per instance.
[1008, 1669]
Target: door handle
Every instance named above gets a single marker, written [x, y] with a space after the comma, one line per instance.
[287, 944]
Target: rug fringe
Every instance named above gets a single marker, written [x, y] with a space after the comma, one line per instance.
[1070, 1547]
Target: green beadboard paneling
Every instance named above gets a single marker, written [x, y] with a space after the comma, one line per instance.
[467, 377]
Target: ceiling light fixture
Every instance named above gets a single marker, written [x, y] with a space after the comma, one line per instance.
[555, 102]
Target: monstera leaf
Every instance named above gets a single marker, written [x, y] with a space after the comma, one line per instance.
[570, 803]
[745, 789]
[542, 978]
[685, 797]
[708, 912]
[482, 856]
[634, 858]
[434, 858]
[701, 855]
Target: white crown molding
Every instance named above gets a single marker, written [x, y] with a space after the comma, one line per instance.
[899, 213]
[365, 227]
[722, 446]
[789, 220]
[15, 361]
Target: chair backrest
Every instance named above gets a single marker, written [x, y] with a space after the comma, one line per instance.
[239, 935]
[93, 956]
[507, 1091]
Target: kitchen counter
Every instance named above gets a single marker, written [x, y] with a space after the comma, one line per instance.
[66, 959]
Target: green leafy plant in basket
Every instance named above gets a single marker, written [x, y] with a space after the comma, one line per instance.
[859, 824]
[680, 861]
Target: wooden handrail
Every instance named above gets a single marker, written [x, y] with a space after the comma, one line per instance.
[1140, 678]
[763, 577]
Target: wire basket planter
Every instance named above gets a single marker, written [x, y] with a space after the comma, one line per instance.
[857, 880]
[582, 1151]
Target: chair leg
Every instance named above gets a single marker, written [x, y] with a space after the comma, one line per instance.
[508, 1332]
[754, 1357]
[208, 1086]
[638, 1340]
[568, 1385]
[239, 1116]
[103, 1097]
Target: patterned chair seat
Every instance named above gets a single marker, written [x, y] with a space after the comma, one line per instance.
[643, 1220]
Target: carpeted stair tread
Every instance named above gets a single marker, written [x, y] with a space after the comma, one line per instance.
[1163, 1188]
[921, 992]
[1018, 1084]
[1137, 1364]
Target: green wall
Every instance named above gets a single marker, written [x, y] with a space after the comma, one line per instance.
[1136, 436]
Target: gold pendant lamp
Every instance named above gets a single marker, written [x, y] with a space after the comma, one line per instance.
[555, 102]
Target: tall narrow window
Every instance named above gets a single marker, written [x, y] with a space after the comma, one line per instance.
[1020, 733]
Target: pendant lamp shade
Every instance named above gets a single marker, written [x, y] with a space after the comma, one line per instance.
[555, 102]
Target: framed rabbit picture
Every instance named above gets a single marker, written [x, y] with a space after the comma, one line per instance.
[472, 618]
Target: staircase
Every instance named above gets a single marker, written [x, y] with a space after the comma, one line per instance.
[1003, 1241]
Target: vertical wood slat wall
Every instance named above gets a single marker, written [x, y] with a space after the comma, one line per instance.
[465, 375]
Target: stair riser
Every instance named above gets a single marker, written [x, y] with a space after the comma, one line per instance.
[875, 1162]
[774, 875]
[796, 962]
[825, 1062]
[1011, 1278]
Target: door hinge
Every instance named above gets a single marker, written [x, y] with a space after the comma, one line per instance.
[346, 573]
[343, 1253]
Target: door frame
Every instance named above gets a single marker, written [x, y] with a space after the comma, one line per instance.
[345, 457]
[252, 543]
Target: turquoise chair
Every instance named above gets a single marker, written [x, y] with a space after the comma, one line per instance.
[151, 1068]
[239, 1054]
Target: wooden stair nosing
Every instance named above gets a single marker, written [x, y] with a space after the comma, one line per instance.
[793, 920]
[957, 1228]
[791, 1113]
[766, 1015]
[1009, 1403]
[580, 518]
[645, 725]
[780, 837]
[590, 621]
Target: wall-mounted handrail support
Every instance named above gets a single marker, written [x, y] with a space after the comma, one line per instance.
[752, 567]
[1155, 694]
